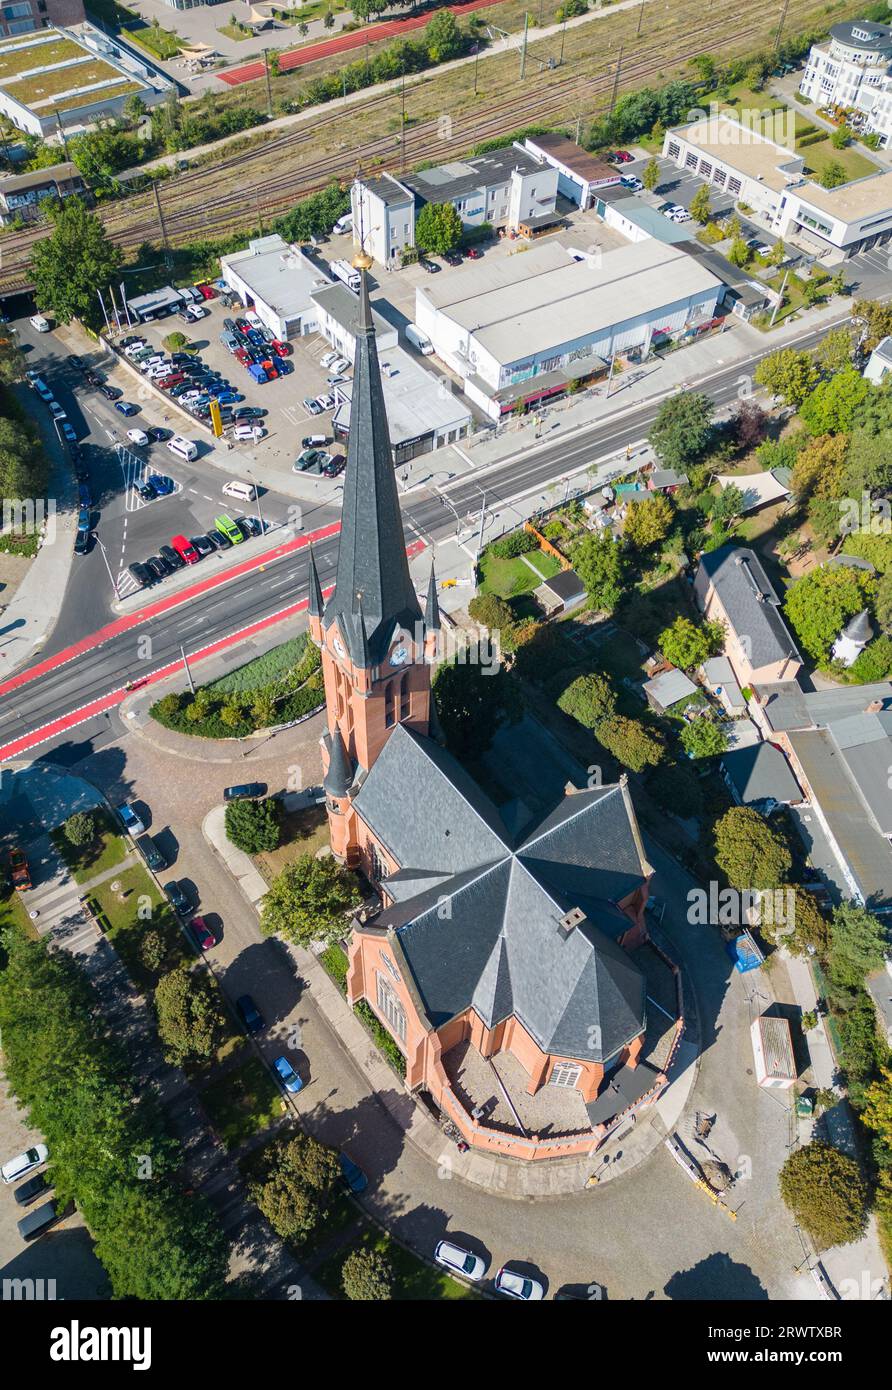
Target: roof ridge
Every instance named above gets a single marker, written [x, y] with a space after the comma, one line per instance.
[543, 834]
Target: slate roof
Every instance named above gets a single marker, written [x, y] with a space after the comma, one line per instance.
[761, 773]
[750, 601]
[488, 936]
[373, 594]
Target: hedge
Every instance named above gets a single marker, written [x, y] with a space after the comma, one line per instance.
[308, 698]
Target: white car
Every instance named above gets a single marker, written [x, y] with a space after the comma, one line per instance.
[56, 410]
[325, 403]
[340, 365]
[459, 1260]
[249, 432]
[630, 181]
[25, 1163]
[518, 1286]
[196, 311]
[137, 437]
[40, 324]
[327, 358]
[133, 348]
[132, 823]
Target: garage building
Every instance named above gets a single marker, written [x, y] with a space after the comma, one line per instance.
[276, 281]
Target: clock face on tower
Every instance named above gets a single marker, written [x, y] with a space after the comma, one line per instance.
[339, 647]
[399, 656]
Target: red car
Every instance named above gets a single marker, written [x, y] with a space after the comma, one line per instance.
[624, 157]
[201, 934]
[186, 550]
[206, 291]
[243, 355]
[281, 349]
[473, 254]
[173, 380]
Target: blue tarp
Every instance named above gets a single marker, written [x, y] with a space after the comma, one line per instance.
[745, 953]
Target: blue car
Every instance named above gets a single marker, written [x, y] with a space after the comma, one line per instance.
[83, 495]
[126, 407]
[249, 1013]
[287, 1075]
[229, 398]
[163, 486]
[353, 1175]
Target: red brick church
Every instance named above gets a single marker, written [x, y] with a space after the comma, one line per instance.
[507, 966]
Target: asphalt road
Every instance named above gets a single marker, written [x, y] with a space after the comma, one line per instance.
[225, 610]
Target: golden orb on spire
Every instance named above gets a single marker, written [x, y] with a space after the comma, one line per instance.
[362, 260]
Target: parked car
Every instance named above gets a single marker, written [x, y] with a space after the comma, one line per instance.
[459, 1261]
[162, 485]
[287, 1075]
[314, 441]
[142, 574]
[178, 899]
[157, 567]
[175, 561]
[150, 853]
[334, 467]
[227, 526]
[29, 1191]
[327, 358]
[249, 1013]
[57, 411]
[353, 1175]
[125, 407]
[146, 491]
[218, 540]
[158, 434]
[245, 791]
[313, 407]
[206, 291]
[624, 157]
[249, 412]
[138, 437]
[202, 544]
[24, 1163]
[519, 1286]
[630, 181]
[68, 432]
[82, 540]
[325, 402]
[473, 253]
[185, 549]
[430, 266]
[453, 257]
[130, 820]
[201, 934]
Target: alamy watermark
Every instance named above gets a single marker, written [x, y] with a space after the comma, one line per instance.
[743, 907]
[29, 516]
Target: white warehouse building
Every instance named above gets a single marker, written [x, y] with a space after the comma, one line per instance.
[277, 281]
[522, 327]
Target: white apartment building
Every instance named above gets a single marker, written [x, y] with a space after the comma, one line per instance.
[853, 69]
[767, 177]
[383, 216]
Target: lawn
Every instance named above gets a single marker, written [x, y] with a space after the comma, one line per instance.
[520, 575]
[263, 669]
[303, 832]
[161, 42]
[85, 862]
[31, 90]
[242, 1102]
[23, 59]
[12, 913]
[822, 153]
[414, 1279]
[127, 927]
[233, 31]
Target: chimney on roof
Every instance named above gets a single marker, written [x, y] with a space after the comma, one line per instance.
[570, 921]
[874, 707]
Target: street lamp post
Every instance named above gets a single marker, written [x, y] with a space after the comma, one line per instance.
[114, 582]
[257, 500]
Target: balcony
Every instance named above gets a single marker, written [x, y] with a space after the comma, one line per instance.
[496, 1087]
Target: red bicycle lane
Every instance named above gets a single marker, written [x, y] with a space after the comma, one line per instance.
[343, 43]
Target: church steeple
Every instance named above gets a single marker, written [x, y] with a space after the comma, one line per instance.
[373, 572]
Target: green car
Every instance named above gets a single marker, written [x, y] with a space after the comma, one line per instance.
[229, 529]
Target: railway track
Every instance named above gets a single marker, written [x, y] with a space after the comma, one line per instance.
[129, 220]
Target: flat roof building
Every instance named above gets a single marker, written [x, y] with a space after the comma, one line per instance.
[22, 195]
[510, 319]
[580, 174]
[336, 312]
[279, 281]
[423, 413]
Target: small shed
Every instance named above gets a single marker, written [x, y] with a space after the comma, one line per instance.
[719, 679]
[155, 304]
[773, 1053]
[560, 594]
[666, 480]
[668, 689]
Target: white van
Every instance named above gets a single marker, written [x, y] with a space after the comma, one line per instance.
[418, 340]
[40, 324]
[243, 491]
[343, 224]
[344, 271]
[183, 448]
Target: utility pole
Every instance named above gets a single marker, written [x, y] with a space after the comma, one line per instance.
[61, 132]
[186, 666]
[640, 17]
[480, 532]
[619, 63]
[523, 50]
[476, 63]
[780, 27]
[403, 121]
[269, 85]
[563, 36]
[161, 225]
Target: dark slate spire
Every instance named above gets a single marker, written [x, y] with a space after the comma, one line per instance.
[339, 777]
[373, 571]
[315, 586]
[432, 606]
[859, 628]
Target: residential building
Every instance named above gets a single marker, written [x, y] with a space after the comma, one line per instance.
[56, 78]
[27, 16]
[278, 282]
[853, 70]
[523, 327]
[768, 177]
[879, 364]
[513, 972]
[23, 195]
[839, 744]
[336, 317]
[383, 217]
[732, 588]
[759, 775]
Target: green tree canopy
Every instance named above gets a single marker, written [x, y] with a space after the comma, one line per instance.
[315, 215]
[701, 209]
[438, 227]
[748, 851]
[72, 263]
[688, 644]
[833, 175]
[651, 176]
[23, 463]
[857, 943]
[308, 900]
[601, 565]
[190, 1016]
[80, 829]
[443, 37]
[630, 742]
[703, 738]
[825, 1191]
[648, 522]
[588, 699]
[254, 826]
[788, 373]
[367, 1276]
[834, 351]
[832, 406]
[472, 699]
[820, 604]
[682, 428]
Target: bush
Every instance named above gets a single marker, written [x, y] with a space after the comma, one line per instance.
[80, 829]
[826, 1193]
[588, 699]
[382, 1038]
[367, 1276]
[630, 742]
[491, 612]
[514, 544]
[703, 738]
[254, 826]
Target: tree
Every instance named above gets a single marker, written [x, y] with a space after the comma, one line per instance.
[833, 175]
[153, 951]
[588, 699]
[367, 1276]
[705, 67]
[700, 208]
[884, 602]
[75, 260]
[293, 1183]
[254, 826]
[648, 522]
[834, 352]
[682, 428]
[841, 137]
[651, 176]
[807, 926]
[190, 1016]
[472, 699]
[820, 467]
[601, 565]
[750, 854]
[826, 1193]
[750, 424]
[12, 365]
[491, 612]
[777, 253]
[676, 788]
[438, 227]
[727, 506]
[703, 738]
[687, 644]
[832, 406]
[820, 604]
[739, 253]
[80, 829]
[308, 901]
[857, 943]
[443, 37]
[23, 463]
[788, 373]
[733, 227]
[134, 109]
[878, 320]
[877, 1111]
[630, 742]
[314, 215]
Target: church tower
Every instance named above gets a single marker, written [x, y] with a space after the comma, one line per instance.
[372, 634]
